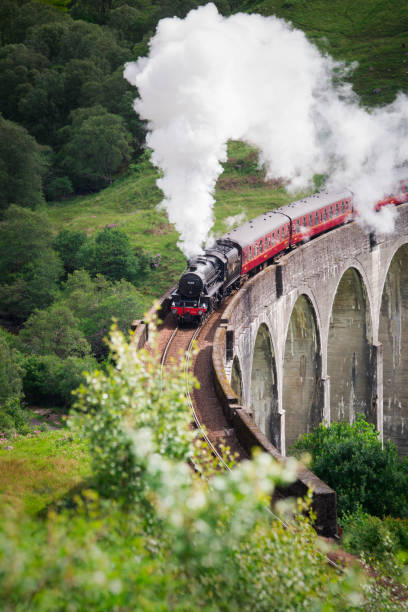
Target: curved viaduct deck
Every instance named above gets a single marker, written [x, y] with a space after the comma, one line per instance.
[322, 335]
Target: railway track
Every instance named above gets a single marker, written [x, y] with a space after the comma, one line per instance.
[179, 345]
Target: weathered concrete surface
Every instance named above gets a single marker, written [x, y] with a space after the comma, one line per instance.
[331, 341]
[302, 372]
[349, 351]
[393, 335]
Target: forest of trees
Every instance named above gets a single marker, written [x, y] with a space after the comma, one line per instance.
[67, 123]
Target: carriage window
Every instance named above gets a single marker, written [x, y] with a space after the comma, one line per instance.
[304, 221]
[342, 207]
[337, 208]
[310, 219]
[250, 252]
[261, 245]
[255, 250]
[316, 218]
[325, 214]
[331, 212]
[298, 225]
[321, 216]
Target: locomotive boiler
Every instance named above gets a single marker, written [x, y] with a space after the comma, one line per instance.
[208, 278]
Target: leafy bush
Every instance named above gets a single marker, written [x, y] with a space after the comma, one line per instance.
[11, 370]
[58, 188]
[21, 167]
[350, 459]
[13, 418]
[128, 397]
[29, 267]
[96, 301]
[109, 253]
[97, 145]
[67, 244]
[50, 380]
[383, 543]
[54, 331]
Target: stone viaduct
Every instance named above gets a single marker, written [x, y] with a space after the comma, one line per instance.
[321, 335]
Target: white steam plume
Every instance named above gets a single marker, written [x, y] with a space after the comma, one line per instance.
[209, 79]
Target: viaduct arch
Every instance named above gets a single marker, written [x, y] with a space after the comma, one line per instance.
[322, 335]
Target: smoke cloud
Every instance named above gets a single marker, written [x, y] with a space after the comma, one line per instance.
[208, 79]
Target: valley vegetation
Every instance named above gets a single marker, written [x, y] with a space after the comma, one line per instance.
[81, 242]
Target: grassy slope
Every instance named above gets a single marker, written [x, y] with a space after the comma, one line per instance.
[372, 32]
[40, 470]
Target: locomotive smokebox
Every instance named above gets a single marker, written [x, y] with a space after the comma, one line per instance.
[190, 285]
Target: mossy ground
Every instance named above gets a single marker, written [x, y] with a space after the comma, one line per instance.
[40, 469]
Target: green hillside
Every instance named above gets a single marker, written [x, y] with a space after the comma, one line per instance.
[373, 33]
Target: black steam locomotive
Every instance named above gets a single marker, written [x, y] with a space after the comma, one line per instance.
[207, 280]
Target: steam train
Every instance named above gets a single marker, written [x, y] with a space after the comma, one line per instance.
[243, 251]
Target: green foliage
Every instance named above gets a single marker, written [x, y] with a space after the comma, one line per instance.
[50, 380]
[110, 254]
[96, 301]
[350, 459]
[166, 538]
[39, 470]
[58, 187]
[97, 145]
[21, 167]
[13, 418]
[125, 398]
[216, 537]
[67, 244]
[29, 268]
[53, 331]
[382, 543]
[10, 371]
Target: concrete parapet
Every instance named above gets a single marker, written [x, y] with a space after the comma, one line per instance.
[249, 436]
[324, 498]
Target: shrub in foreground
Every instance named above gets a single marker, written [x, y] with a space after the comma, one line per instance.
[382, 543]
[162, 537]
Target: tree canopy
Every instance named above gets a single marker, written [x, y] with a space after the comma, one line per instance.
[21, 167]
